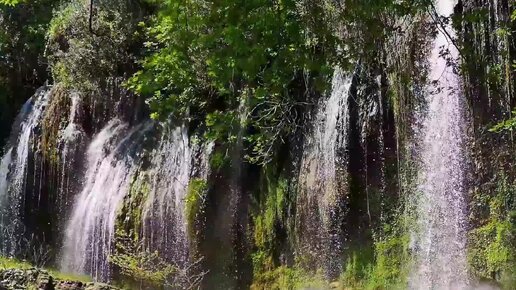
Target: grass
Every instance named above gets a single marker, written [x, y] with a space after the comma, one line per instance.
[9, 263]
[289, 279]
[69, 276]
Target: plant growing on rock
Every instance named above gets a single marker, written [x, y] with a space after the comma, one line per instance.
[85, 60]
[147, 268]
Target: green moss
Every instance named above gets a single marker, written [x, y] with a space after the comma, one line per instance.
[130, 214]
[358, 268]
[194, 206]
[218, 160]
[289, 278]
[68, 276]
[8, 263]
[54, 121]
[389, 271]
[380, 264]
[269, 216]
[384, 266]
[492, 246]
[492, 254]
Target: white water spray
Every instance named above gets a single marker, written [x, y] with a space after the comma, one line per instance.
[163, 214]
[5, 162]
[115, 160]
[90, 231]
[440, 238]
[13, 171]
[320, 196]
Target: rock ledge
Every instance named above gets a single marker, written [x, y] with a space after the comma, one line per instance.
[38, 279]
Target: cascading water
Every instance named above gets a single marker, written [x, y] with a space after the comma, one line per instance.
[72, 143]
[164, 224]
[440, 241]
[13, 171]
[5, 162]
[119, 158]
[322, 178]
[90, 231]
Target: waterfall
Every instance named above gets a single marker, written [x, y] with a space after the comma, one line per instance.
[13, 171]
[164, 224]
[440, 238]
[72, 143]
[90, 230]
[117, 158]
[5, 162]
[322, 179]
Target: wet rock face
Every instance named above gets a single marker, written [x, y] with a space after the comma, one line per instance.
[21, 279]
[18, 279]
[73, 285]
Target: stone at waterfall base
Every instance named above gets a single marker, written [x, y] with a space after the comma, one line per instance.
[20, 279]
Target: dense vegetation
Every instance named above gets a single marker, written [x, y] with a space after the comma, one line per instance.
[22, 62]
[211, 62]
[246, 76]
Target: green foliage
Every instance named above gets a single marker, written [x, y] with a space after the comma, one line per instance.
[385, 266]
[494, 75]
[22, 36]
[268, 219]
[206, 59]
[218, 160]
[222, 126]
[139, 264]
[501, 75]
[84, 58]
[492, 249]
[285, 278]
[214, 47]
[505, 125]
[9, 2]
[9, 263]
[22, 42]
[206, 55]
[273, 213]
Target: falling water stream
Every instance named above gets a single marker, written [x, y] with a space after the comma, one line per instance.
[5, 162]
[112, 161]
[13, 171]
[90, 229]
[115, 162]
[163, 214]
[320, 194]
[440, 241]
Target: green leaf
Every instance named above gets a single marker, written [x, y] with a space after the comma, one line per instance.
[10, 2]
